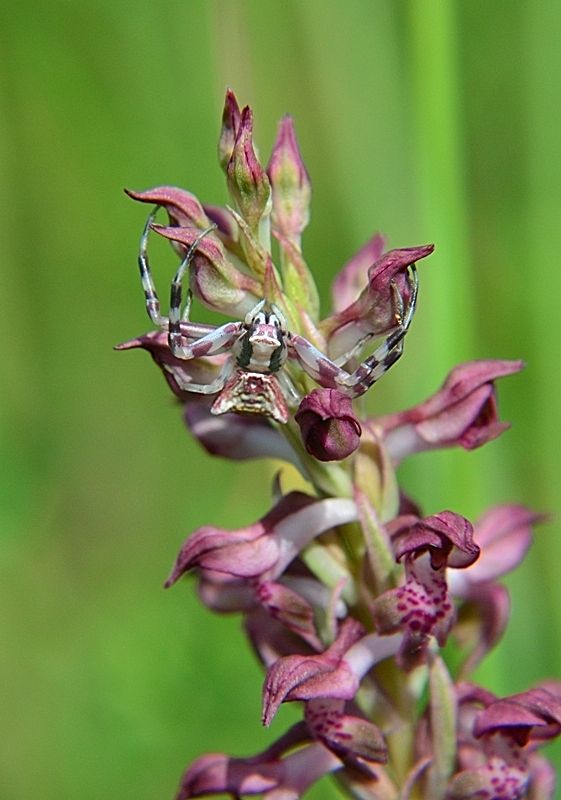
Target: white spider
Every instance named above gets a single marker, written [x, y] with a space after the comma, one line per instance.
[253, 379]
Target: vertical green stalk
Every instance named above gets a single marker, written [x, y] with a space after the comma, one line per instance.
[443, 207]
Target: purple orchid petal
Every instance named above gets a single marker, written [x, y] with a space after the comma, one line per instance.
[183, 207]
[330, 430]
[305, 677]
[495, 780]
[235, 436]
[290, 609]
[226, 226]
[504, 534]
[373, 313]
[532, 714]
[463, 412]
[485, 611]
[447, 536]
[271, 639]
[176, 371]
[265, 548]
[214, 280]
[272, 773]
[353, 277]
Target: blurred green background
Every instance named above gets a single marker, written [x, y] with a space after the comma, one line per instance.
[430, 121]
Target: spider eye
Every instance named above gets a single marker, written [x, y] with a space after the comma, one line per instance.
[260, 318]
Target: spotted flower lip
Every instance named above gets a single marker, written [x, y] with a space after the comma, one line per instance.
[463, 412]
[330, 430]
[352, 738]
[263, 550]
[422, 606]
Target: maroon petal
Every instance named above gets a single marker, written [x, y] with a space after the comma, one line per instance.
[183, 207]
[290, 609]
[214, 280]
[306, 677]
[176, 371]
[373, 313]
[535, 713]
[446, 535]
[419, 609]
[504, 534]
[463, 412]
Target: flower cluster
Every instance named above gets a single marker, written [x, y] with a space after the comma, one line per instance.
[348, 592]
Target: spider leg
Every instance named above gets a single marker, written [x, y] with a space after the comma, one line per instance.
[331, 375]
[218, 340]
[213, 387]
[150, 293]
[291, 393]
[175, 314]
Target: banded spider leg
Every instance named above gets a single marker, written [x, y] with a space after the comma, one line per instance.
[205, 339]
[331, 374]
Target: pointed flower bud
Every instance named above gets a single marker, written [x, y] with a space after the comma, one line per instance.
[330, 431]
[231, 118]
[247, 180]
[463, 412]
[290, 183]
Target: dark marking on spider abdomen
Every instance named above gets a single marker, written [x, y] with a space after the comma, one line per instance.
[244, 358]
[277, 358]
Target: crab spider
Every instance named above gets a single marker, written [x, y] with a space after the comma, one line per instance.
[253, 379]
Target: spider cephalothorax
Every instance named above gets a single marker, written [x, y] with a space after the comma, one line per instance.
[254, 379]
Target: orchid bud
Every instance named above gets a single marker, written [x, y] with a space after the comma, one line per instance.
[230, 124]
[290, 182]
[247, 180]
[330, 430]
